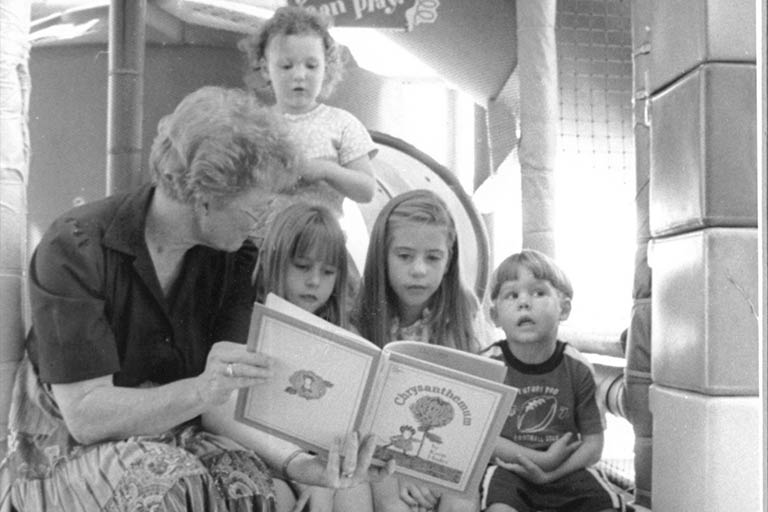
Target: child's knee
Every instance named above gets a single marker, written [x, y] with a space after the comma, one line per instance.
[389, 503]
[386, 496]
[500, 507]
[354, 499]
[285, 500]
[391, 506]
[455, 504]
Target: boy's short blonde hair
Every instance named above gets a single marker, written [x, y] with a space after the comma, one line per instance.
[540, 265]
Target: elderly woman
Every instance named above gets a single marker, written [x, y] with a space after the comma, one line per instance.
[140, 305]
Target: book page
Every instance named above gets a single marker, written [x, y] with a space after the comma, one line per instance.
[466, 362]
[281, 305]
[321, 380]
[440, 425]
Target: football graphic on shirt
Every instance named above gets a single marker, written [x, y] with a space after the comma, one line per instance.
[536, 414]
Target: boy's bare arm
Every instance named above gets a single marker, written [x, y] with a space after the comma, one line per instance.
[355, 180]
[587, 454]
[548, 460]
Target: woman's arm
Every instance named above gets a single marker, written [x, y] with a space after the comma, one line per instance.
[96, 410]
[354, 180]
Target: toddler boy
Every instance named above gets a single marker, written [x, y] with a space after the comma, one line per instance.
[554, 432]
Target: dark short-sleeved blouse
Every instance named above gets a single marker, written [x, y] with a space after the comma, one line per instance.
[98, 309]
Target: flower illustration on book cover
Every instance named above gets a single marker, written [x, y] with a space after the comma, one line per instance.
[431, 412]
[307, 384]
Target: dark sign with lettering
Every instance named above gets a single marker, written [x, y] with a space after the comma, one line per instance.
[394, 14]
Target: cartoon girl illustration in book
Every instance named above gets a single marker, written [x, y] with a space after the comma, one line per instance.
[405, 440]
[430, 412]
[307, 384]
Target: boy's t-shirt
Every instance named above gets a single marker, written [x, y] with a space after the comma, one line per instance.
[555, 397]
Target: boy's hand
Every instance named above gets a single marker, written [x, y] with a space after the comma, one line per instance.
[559, 451]
[526, 468]
[418, 498]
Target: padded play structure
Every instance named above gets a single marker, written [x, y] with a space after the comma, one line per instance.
[693, 346]
[690, 386]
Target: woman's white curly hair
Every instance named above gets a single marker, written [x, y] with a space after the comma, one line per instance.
[220, 143]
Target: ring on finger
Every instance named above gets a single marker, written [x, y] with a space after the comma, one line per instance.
[348, 474]
[230, 370]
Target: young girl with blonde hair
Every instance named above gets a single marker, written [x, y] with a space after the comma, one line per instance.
[303, 259]
[295, 63]
[412, 290]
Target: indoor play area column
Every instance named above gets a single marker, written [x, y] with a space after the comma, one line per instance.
[537, 66]
[701, 80]
[14, 174]
[637, 372]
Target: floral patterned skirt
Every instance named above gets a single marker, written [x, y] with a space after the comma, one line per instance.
[185, 469]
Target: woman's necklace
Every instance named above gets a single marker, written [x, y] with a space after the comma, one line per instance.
[166, 258]
[167, 264]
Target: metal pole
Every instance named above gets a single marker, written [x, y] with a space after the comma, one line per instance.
[125, 93]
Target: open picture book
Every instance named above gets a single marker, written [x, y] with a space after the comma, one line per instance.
[437, 411]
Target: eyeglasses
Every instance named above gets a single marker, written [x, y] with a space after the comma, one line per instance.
[250, 215]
